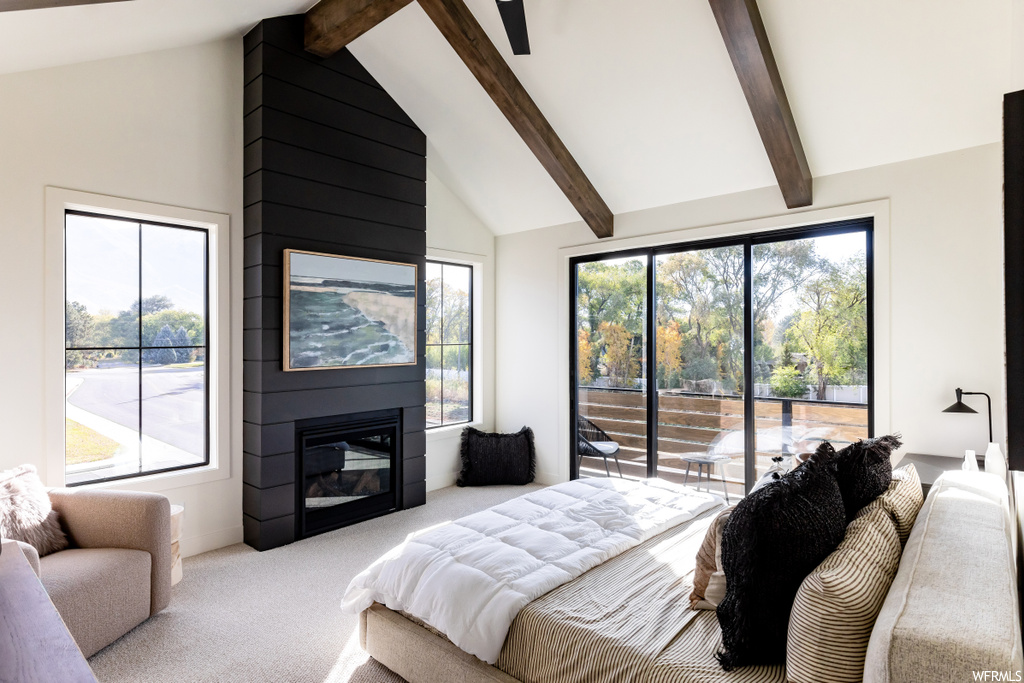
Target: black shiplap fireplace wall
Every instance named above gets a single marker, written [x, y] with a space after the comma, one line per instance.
[332, 164]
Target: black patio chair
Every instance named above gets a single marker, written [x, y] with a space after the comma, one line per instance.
[593, 441]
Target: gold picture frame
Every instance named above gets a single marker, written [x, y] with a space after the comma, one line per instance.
[348, 312]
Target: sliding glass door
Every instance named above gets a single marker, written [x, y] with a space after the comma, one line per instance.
[701, 365]
[703, 362]
[810, 344]
[611, 359]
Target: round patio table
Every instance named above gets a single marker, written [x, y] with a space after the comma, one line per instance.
[702, 461]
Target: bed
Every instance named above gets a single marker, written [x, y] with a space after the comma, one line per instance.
[629, 617]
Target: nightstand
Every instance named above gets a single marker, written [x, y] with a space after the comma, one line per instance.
[929, 467]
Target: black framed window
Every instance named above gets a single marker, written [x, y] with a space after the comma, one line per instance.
[711, 358]
[449, 343]
[136, 348]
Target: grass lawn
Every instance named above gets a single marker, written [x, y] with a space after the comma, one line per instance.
[86, 445]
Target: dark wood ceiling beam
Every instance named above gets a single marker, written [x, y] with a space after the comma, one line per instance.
[17, 5]
[751, 54]
[333, 24]
[471, 43]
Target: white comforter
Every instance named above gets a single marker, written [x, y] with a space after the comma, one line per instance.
[469, 579]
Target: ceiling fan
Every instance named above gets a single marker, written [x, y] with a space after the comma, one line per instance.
[513, 15]
[15, 5]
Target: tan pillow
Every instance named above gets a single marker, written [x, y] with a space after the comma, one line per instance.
[837, 604]
[902, 500]
[708, 577]
[25, 512]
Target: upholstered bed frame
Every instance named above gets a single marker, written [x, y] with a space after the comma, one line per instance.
[421, 656]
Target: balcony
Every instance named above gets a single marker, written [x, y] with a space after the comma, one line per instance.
[702, 424]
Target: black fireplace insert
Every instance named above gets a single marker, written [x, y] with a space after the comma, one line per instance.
[349, 469]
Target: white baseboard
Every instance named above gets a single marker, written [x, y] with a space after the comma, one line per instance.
[441, 481]
[196, 545]
[548, 478]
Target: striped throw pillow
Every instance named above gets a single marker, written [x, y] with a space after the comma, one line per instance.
[837, 604]
[903, 499]
[708, 575]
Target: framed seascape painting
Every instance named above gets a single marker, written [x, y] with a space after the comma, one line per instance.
[346, 312]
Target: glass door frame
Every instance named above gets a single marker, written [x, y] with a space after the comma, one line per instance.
[748, 242]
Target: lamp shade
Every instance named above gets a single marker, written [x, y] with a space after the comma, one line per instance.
[959, 406]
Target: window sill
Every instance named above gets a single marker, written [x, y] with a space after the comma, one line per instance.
[450, 432]
[164, 481]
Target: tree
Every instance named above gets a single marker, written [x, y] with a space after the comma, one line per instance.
[181, 343]
[78, 324]
[832, 328]
[78, 327]
[704, 291]
[123, 329]
[151, 304]
[700, 368]
[670, 351]
[787, 382]
[163, 355]
[619, 357]
[434, 307]
[448, 314]
[456, 316]
[192, 323]
[612, 292]
[584, 356]
[780, 268]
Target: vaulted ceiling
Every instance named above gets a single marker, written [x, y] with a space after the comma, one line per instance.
[642, 92]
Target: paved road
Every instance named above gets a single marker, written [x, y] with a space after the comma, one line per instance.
[173, 402]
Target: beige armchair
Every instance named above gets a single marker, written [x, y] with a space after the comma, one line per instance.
[117, 571]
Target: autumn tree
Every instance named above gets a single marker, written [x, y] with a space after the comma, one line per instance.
[620, 354]
[670, 351]
[584, 357]
[612, 292]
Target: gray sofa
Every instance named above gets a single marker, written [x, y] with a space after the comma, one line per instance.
[952, 609]
[116, 572]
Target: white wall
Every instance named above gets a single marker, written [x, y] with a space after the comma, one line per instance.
[945, 296]
[162, 127]
[453, 227]
[1017, 46]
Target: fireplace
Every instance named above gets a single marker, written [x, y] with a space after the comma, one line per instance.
[349, 469]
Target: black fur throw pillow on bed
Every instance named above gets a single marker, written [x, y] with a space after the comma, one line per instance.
[496, 458]
[775, 537]
[864, 471]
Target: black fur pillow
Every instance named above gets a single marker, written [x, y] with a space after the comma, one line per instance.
[496, 458]
[864, 471]
[775, 537]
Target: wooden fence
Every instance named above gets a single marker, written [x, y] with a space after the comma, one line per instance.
[697, 425]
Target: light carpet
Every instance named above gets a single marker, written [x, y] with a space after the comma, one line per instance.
[242, 615]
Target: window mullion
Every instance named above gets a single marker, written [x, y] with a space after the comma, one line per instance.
[140, 348]
[749, 421]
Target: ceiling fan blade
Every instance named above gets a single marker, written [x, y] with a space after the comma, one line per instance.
[513, 15]
[15, 5]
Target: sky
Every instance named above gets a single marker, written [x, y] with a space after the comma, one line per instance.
[326, 266]
[102, 264]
